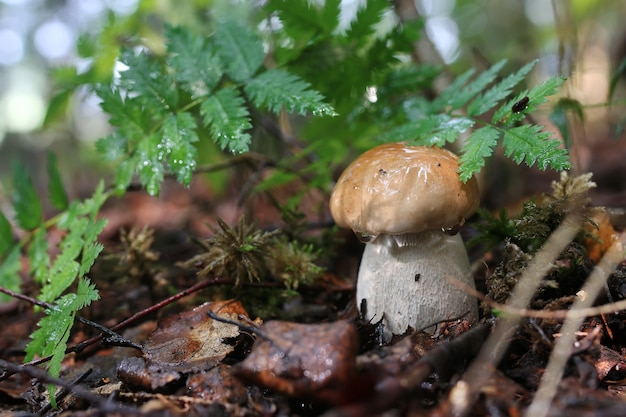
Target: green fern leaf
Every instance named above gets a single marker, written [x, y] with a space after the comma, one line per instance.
[445, 99]
[91, 246]
[196, 65]
[6, 234]
[146, 77]
[38, 256]
[505, 114]
[494, 95]
[240, 49]
[127, 114]
[179, 132]
[150, 158]
[57, 194]
[124, 174]
[367, 17]
[10, 267]
[478, 147]
[437, 129]
[277, 88]
[303, 21]
[64, 269]
[529, 143]
[26, 203]
[540, 93]
[461, 91]
[113, 146]
[228, 119]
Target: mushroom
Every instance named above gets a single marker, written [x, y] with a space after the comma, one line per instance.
[407, 203]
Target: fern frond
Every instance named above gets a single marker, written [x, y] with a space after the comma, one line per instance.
[530, 143]
[228, 119]
[277, 88]
[478, 147]
[240, 49]
[194, 61]
[498, 92]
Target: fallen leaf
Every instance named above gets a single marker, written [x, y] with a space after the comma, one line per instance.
[313, 361]
[187, 342]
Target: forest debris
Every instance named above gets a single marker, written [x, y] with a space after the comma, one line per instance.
[217, 385]
[611, 365]
[303, 360]
[188, 342]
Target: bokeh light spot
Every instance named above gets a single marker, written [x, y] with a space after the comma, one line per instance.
[54, 40]
[11, 47]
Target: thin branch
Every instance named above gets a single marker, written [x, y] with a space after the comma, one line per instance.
[505, 309]
[563, 346]
[465, 392]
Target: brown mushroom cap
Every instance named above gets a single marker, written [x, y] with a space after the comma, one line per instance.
[396, 189]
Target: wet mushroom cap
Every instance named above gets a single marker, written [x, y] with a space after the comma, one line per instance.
[396, 189]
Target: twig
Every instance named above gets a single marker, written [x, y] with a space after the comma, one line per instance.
[562, 348]
[541, 314]
[464, 393]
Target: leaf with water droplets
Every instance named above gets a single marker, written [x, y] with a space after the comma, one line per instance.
[150, 156]
[228, 119]
[179, 132]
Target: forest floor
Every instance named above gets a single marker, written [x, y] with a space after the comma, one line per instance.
[175, 343]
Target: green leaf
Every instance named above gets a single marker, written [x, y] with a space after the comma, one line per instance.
[57, 107]
[478, 147]
[146, 77]
[27, 206]
[538, 94]
[277, 88]
[112, 147]
[179, 132]
[459, 93]
[530, 143]
[615, 77]
[447, 96]
[64, 269]
[558, 116]
[50, 339]
[129, 115]
[367, 17]
[437, 129]
[6, 234]
[9, 272]
[58, 196]
[498, 92]
[304, 21]
[240, 49]
[150, 159]
[228, 119]
[124, 174]
[195, 63]
[91, 247]
[38, 257]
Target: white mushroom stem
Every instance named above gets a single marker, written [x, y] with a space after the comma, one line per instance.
[403, 280]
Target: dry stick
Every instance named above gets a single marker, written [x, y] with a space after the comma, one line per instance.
[504, 309]
[563, 346]
[464, 393]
